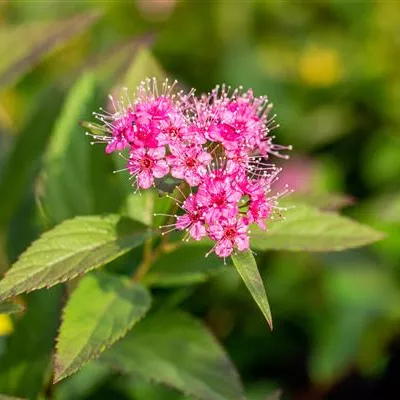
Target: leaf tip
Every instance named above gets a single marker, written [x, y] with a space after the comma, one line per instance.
[58, 374]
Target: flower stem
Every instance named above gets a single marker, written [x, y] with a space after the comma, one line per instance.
[151, 256]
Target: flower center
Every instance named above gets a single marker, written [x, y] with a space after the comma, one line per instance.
[219, 200]
[195, 216]
[228, 132]
[173, 132]
[230, 233]
[190, 162]
[146, 163]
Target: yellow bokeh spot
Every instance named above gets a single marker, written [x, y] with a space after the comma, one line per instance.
[320, 66]
[6, 325]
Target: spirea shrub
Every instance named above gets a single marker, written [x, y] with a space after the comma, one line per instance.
[213, 156]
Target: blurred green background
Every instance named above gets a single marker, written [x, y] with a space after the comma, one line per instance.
[330, 68]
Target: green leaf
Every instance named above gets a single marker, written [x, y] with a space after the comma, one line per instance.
[183, 266]
[10, 308]
[306, 228]
[323, 201]
[66, 171]
[176, 350]
[139, 389]
[140, 206]
[145, 65]
[112, 63]
[19, 169]
[247, 268]
[34, 41]
[72, 248]
[84, 383]
[5, 397]
[90, 327]
[264, 390]
[25, 363]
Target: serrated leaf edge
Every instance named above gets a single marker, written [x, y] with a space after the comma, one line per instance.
[57, 378]
[376, 235]
[147, 233]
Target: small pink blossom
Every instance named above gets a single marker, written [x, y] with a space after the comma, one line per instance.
[237, 161]
[259, 211]
[121, 130]
[220, 197]
[174, 129]
[147, 165]
[229, 233]
[193, 219]
[189, 163]
[145, 136]
[152, 111]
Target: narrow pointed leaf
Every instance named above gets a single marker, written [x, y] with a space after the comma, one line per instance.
[306, 228]
[21, 165]
[247, 268]
[176, 350]
[72, 248]
[10, 308]
[66, 170]
[34, 41]
[100, 311]
[145, 65]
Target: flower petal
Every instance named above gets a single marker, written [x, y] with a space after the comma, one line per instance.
[216, 232]
[145, 179]
[197, 231]
[158, 153]
[242, 242]
[224, 248]
[182, 222]
[160, 169]
[178, 172]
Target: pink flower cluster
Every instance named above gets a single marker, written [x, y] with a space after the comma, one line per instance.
[218, 144]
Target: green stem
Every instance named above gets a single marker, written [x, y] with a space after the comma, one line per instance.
[150, 255]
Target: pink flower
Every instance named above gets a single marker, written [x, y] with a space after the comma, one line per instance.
[193, 220]
[229, 233]
[174, 129]
[145, 136]
[237, 161]
[189, 163]
[259, 210]
[121, 131]
[219, 195]
[117, 126]
[196, 135]
[182, 134]
[147, 165]
[154, 110]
